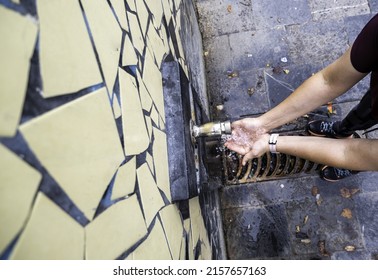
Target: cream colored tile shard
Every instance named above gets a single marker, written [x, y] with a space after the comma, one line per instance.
[156, 9]
[120, 11]
[198, 228]
[167, 10]
[144, 95]
[78, 144]
[125, 180]
[154, 82]
[156, 45]
[160, 155]
[18, 35]
[50, 234]
[150, 162]
[129, 56]
[116, 107]
[135, 133]
[155, 247]
[151, 199]
[177, 4]
[143, 16]
[68, 62]
[196, 219]
[115, 230]
[164, 37]
[107, 37]
[131, 4]
[162, 123]
[149, 126]
[183, 249]
[136, 33]
[154, 116]
[173, 227]
[18, 184]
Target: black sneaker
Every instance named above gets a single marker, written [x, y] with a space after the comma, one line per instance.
[325, 129]
[333, 174]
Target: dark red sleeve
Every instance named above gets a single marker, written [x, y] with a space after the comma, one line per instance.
[364, 53]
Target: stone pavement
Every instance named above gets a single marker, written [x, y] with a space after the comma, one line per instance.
[257, 52]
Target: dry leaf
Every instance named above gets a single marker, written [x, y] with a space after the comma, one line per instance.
[330, 108]
[229, 8]
[233, 75]
[314, 190]
[347, 213]
[350, 248]
[348, 193]
[345, 193]
[354, 191]
[286, 71]
[297, 228]
[305, 220]
[306, 241]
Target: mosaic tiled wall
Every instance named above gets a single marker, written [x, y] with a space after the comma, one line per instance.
[83, 152]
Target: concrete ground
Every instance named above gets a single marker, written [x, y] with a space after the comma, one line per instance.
[257, 52]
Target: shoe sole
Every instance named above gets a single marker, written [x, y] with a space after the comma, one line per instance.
[326, 179]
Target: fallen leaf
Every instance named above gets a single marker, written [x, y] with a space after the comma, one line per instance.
[348, 193]
[306, 241]
[229, 8]
[347, 213]
[286, 71]
[345, 193]
[314, 190]
[305, 220]
[297, 228]
[233, 74]
[350, 248]
[354, 191]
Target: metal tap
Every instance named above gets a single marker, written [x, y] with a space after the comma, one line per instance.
[211, 129]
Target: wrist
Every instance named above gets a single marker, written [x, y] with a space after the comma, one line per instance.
[264, 124]
[273, 138]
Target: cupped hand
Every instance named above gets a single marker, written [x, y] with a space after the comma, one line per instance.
[248, 138]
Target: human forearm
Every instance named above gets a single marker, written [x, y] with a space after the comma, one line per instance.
[313, 93]
[354, 154]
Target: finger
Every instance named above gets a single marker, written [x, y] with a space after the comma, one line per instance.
[247, 157]
[242, 150]
[236, 124]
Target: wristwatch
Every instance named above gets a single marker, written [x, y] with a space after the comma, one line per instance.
[273, 143]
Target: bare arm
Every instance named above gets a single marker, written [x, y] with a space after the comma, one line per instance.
[354, 154]
[324, 86]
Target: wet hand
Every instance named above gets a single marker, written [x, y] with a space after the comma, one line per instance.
[247, 138]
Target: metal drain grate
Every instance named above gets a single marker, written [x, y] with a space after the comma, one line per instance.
[268, 167]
